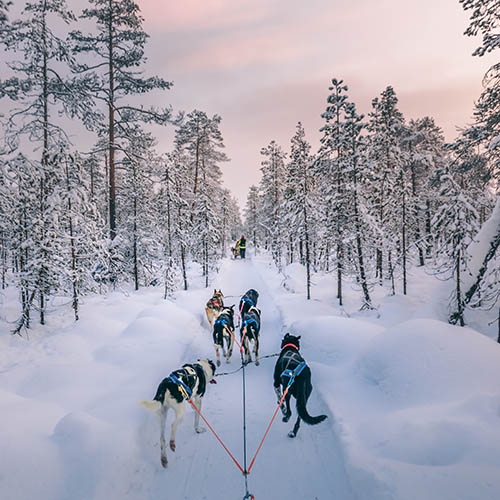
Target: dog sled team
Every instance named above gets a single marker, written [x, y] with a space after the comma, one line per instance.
[292, 376]
[239, 248]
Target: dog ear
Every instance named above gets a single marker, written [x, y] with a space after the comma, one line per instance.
[299, 337]
[215, 291]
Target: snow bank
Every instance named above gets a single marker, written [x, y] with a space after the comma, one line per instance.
[417, 406]
[415, 403]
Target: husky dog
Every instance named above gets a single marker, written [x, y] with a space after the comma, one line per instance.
[247, 301]
[193, 378]
[236, 252]
[223, 323]
[214, 306]
[250, 328]
[301, 388]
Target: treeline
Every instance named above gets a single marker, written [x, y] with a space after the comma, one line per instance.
[75, 221]
[384, 193]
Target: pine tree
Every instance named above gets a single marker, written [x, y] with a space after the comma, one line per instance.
[454, 227]
[118, 49]
[386, 158]
[40, 92]
[330, 164]
[271, 187]
[297, 197]
[356, 167]
[252, 212]
[138, 234]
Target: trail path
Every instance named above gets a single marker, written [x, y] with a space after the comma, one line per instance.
[307, 467]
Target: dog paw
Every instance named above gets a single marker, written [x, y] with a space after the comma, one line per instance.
[201, 430]
[172, 445]
[286, 418]
[218, 362]
[291, 434]
[257, 363]
[164, 462]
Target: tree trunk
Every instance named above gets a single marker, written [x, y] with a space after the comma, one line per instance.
[111, 128]
[403, 236]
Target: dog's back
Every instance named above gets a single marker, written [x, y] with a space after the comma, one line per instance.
[248, 300]
[251, 321]
[225, 318]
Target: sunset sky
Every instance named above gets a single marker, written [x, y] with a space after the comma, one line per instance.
[263, 65]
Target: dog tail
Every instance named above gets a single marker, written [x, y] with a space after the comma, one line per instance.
[301, 406]
[154, 406]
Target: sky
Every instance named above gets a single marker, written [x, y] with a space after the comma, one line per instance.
[264, 65]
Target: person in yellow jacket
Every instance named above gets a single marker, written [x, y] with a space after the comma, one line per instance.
[242, 245]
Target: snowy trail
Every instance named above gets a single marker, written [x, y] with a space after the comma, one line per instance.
[307, 467]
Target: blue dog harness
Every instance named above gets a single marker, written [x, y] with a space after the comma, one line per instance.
[183, 388]
[294, 373]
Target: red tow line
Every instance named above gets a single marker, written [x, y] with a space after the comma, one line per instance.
[218, 438]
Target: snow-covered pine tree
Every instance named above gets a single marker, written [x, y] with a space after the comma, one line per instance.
[271, 187]
[173, 211]
[6, 209]
[180, 177]
[82, 227]
[355, 167]
[484, 135]
[297, 205]
[229, 220]
[454, 226]
[21, 192]
[332, 179]
[386, 160]
[137, 234]
[200, 140]
[252, 213]
[113, 75]
[424, 146]
[38, 91]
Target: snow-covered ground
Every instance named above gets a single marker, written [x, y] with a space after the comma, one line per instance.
[413, 403]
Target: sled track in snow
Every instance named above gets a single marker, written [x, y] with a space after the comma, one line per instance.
[311, 466]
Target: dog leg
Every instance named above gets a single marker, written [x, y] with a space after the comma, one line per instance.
[293, 432]
[180, 410]
[163, 417]
[288, 412]
[256, 351]
[197, 428]
[246, 347]
[217, 354]
[230, 349]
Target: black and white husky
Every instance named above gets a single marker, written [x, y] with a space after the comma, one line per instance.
[223, 324]
[247, 301]
[250, 329]
[193, 379]
[288, 361]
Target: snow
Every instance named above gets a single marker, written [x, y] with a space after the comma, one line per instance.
[413, 403]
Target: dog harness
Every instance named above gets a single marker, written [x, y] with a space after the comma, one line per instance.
[247, 322]
[248, 300]
[214, 303]
[183, 388]
[294, 373]
[291, 357]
